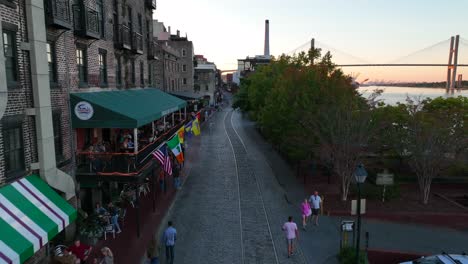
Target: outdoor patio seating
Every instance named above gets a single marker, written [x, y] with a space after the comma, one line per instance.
[109, 228]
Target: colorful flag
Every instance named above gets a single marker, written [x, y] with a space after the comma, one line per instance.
[188, 129]
[176, 148]
[180, 133]
[162, 156]
[196, 127]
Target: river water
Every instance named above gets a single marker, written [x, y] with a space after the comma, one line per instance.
[392, 95]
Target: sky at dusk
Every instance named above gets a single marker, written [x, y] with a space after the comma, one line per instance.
[376, 31]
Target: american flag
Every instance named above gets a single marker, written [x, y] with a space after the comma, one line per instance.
[162, 156]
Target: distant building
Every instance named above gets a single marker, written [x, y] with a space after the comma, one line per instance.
[206, 78]
[182, 47]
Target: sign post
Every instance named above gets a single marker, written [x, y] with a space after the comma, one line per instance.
[384, 178]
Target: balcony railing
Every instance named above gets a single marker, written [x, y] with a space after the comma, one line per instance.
[121, 164]
[137, 43]
[151, 4]
[86, 21]
[152, 50]
[123, 40]
[58, 13]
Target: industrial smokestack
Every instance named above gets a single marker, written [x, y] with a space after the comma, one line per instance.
[266, 51]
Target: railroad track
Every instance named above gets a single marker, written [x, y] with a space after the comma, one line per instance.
[257, 241]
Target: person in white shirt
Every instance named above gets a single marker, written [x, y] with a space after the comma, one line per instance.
[315, 201]
[290, 229]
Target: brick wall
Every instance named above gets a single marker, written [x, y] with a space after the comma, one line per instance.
[66, 42]
[187, 60]
[21, 97]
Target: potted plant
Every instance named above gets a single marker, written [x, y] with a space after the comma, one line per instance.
[90, 227]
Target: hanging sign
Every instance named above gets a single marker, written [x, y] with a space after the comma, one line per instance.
[84, 110]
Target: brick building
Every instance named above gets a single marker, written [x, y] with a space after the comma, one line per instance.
[167, 69]
[184, 48]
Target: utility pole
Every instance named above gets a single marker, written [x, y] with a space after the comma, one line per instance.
[312, 48]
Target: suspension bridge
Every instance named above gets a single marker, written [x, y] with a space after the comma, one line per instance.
[432, 56]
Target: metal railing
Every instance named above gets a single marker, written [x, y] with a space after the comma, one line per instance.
[152, 50]
[137, 42]
[86, 21]
[118, 163]
[58, 13]
[125, 37]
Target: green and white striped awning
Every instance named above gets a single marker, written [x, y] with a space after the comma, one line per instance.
[31, 214]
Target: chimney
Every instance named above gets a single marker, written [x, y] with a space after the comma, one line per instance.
[178, 33]
[266, 51]
[169, 29]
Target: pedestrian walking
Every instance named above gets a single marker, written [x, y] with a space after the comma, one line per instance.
[176, 176]
[306, 212]
[290, 229]
[162, 180]
[168, 240]
[153, 251]
[315, 201]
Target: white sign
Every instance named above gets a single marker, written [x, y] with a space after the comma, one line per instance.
[354, 206]
[84, 110]
[384, 178]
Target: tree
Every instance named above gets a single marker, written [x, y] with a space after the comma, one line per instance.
[430, 136]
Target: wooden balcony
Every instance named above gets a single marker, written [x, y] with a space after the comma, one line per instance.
[123, 38]
[86, 22]
[137, 43]
[58, 13]
[152, 50]
[151, 4]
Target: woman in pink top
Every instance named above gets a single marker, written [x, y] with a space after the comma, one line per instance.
[306, 212]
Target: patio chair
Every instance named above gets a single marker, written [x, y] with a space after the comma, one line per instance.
[109, 228]
[58, 250]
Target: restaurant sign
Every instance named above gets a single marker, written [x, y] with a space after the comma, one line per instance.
[84, 110]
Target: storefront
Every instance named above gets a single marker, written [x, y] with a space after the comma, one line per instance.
[116, 134]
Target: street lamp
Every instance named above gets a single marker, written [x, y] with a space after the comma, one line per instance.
[360, 176]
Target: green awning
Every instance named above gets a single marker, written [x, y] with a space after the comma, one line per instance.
[121, 109]
[31, 214]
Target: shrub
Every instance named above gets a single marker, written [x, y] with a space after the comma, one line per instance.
[347, 255]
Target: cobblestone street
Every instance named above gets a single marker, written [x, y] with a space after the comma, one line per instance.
[240, 192]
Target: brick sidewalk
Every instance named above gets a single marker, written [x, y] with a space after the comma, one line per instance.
[127, 247]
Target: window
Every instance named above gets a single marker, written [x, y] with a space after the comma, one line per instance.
[206, 87]
[185, 81]
[81, 64]
[184, 53]
[150, 77]
[102, 68]
[102, 22]
[140, 24]
[51, 62]
[9, 50]
[57, 126]
[13, 148]
[118, 71]
[173, 85]
[142, 74]
[133, 72]
[184, 67]
[130, 20]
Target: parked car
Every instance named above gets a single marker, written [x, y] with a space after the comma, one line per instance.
[441, 259]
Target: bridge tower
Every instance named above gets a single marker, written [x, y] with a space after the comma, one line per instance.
[460, 82]
[452, 63]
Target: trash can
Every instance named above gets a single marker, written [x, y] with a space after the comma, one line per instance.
[348, 232]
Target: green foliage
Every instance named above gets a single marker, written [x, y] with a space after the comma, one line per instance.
[89, 225]
[374, 192]
[347, 255]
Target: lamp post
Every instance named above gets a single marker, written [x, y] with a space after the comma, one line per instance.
[360, 176]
